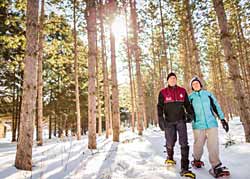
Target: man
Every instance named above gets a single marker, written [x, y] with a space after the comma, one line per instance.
[173, 105]
[205, 128]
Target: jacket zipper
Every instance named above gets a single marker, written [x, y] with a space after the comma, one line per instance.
[203, 109]
[175, 94]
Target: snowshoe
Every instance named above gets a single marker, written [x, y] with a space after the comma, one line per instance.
[188, 174]
[197, 164]
[219, 171]
[170, 162]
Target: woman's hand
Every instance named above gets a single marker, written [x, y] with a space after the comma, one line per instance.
[225, 125]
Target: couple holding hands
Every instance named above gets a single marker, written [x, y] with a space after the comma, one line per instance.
[175, 108]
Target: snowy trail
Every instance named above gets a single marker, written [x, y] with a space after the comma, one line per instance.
[137, 157]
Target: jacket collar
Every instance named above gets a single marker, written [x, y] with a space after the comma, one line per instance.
[198, 92]
[172, 87]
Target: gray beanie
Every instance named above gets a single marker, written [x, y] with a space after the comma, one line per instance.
[195, 79]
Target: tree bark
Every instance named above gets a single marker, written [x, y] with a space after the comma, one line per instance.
[40, 80]
[17, 107]
[14, 112]
[244, 59]
[24, 147]
[105, 72]
[138, 68]
[99, 116]
[50, 127]
[185, 58]
[130, 75]
[233, 66]
[245, 45]
[115, 92]
[20, 105]
[164, 45]
[78, 113]
[145, 122]
[155, 85]
[195, 51]
[92, 56]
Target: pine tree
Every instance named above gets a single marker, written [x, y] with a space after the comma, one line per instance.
[136, 50]
[104, 70]
[92, 36]
[78, 115]
[115, 93]
[28, 111]
[40, 79]
[233, 66]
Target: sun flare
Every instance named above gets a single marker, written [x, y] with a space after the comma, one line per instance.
[119, 28]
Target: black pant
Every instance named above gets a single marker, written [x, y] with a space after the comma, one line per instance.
[171, 130]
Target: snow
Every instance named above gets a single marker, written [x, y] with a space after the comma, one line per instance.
[139, 157]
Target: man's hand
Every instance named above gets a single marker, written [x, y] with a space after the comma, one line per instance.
[161, 124]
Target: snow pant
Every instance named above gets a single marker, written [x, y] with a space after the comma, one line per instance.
[211, 136]
[171, 130]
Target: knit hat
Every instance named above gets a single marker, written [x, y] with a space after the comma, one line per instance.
[195, 79]
[171, 74]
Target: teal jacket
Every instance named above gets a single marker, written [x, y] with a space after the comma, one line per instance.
[205, 105]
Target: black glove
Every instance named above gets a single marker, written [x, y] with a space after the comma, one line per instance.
[161, 124]
[189, 118]
[225, 125]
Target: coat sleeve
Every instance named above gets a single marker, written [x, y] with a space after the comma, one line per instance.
[218, 111]
[160, 110]
[188, 106]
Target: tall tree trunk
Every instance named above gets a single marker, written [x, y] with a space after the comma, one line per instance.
[78, 114]
[244, 57]
[164, 45]
[55, 124]
[60, 131]
[50, 127]
[105, 72]
[110, 112]
[185, 62]
[233, 66]
[115, 92]
[20, 105]
[40, 80]
[14, 112]
[145, 122]
[155, 86]
[138, 68]
[245, 45]
[188, 41]
[17, 107]
[99, 111]
[134, 90]
[67, 128]
[195, 51]
[92, 56]
[185, 58]
[224, 98]
[28, 112]
[99, 116]
[130, 75]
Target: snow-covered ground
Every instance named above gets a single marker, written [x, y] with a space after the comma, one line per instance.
[133, 157]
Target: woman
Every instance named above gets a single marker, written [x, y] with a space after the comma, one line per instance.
[205, 128]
